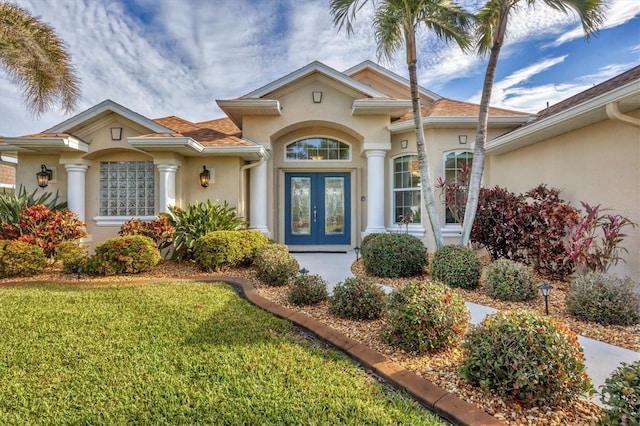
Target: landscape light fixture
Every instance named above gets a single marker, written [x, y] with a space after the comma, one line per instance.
[44, 176]
[546, 290]
[304, 271]
[116, 133]
[317, 97]
[357, 250]
[462, 139]
[205, 176]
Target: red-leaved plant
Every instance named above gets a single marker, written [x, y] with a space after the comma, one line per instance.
[45, 228]
[594, 242]
[159, 230]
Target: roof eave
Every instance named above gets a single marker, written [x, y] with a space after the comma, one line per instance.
[561, 122]
[392, 107]
[457, 121]
[50, 144]
[165, 144]
[236, 109]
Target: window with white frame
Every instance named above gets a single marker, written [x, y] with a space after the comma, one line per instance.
[317, 149]
[127, 188]
[457, 169]
[406, 190]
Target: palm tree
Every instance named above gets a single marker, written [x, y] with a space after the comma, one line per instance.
[395, 24]
[37, 60]
[490, 32]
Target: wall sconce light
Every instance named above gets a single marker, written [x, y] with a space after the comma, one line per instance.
[116, 133]
[404, 144]
[317, 97]
[205, 176]
[462, 139]
[44, 176]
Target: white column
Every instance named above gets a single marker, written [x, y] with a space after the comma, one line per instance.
[76, 190]
[258, 199]
[166, 186]
[375, 191]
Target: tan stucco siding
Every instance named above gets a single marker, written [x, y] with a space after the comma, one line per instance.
[598, 164]
[27, 167]
[227, 180]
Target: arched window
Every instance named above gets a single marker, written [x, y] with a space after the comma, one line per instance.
[406, 189]
[457, 170]
[317, 149]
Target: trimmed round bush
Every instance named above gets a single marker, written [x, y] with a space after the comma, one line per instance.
[20, 259]
[621, 396]
[307, 290]
[275, 265]
[72, 254]
[366, 240]
[130, 254]
[425, 316]
[510, 280]
[530, 357]
[604, 299]
[456, 266]
[394, 255]
[219, 249]
[357, 298]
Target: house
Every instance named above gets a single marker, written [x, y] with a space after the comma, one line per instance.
[316, 159]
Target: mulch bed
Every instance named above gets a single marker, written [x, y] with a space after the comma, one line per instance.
[440, 368]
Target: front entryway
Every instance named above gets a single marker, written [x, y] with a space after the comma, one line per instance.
[317, 208]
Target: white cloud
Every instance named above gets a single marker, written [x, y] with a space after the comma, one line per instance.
[618, 13]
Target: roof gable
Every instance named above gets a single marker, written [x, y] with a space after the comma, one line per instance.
[315, 67]
[102, 109]
[362, 68]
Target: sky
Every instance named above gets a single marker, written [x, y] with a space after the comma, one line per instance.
[176, 57]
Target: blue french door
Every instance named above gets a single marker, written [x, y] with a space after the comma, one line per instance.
[317, 208]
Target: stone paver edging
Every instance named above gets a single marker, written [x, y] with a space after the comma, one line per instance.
[436, 399]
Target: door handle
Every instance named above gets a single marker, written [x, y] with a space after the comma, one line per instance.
[315, 214]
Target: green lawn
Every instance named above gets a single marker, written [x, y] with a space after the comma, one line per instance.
[174, 353]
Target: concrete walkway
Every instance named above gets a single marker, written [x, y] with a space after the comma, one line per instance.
[601, 359]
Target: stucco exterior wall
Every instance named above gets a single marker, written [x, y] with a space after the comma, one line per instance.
[597, 164]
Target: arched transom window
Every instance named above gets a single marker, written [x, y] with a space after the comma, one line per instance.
[317, 149]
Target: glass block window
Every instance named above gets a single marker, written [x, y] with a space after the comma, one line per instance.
[127, 188]
[317, 149]
[406, 189]
[457, 168]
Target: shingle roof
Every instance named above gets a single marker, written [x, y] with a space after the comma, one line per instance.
[604, 87]
[220, 132]
[449, 108]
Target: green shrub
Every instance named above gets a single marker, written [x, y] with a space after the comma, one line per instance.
[621, 395]
[394, 255]
[530, 357]
[124, 255]
[228, 248]
[72, 254]
[307, 290]
[275, 265]
[19, 259]
[198, 220]
[366, 241]
[604, 299]
[357, 298]
[509, 280]
[456, 266]
[424, 316]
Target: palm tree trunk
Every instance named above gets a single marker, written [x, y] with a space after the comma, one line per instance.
[428, 196]
[477, 167]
